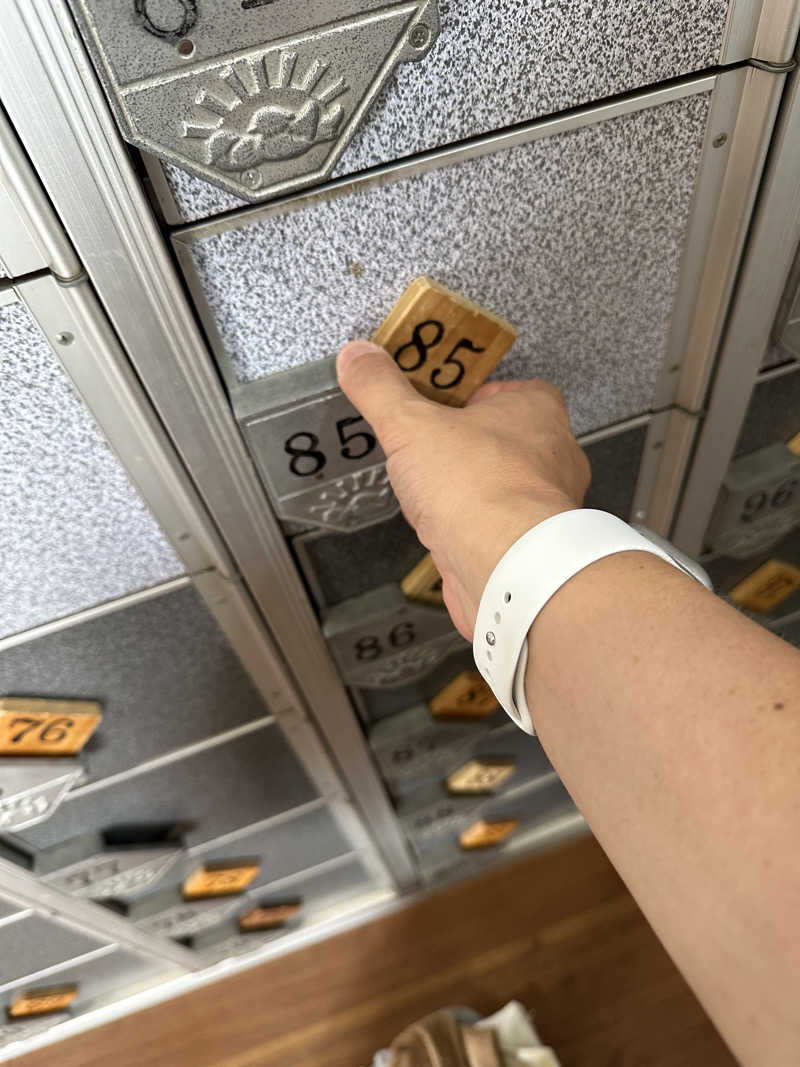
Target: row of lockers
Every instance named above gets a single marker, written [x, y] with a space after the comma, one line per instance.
[590, 231]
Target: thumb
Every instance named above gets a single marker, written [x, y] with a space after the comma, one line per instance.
[372, 381]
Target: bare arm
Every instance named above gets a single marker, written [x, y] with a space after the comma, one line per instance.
[673, 721]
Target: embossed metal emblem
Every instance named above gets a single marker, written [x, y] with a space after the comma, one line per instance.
[320, 461]
[32, 789]
[413, 745]
[115, 872]
[382, 641]
[256, 96]
[188, 917]
[759, 503]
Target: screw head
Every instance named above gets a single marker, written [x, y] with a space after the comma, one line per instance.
[65, 337]
[491, 639]
[252, 178]
[420, 35]
[185, 47]
[720, 140]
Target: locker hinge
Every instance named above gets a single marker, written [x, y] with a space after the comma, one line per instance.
[773, 68]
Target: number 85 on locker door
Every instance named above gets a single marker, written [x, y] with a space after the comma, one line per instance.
[321, 463]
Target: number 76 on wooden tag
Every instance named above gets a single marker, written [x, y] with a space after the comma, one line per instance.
[446, 344]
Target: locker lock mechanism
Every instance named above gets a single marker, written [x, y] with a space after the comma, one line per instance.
[259, 97]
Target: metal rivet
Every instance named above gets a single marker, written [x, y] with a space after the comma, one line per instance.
[657, 445]
[720, 140]
[65, 338]
[641, 515]
[252, 178]
[674, 368]
[420, 35]
[185, 47]
[491, 639]
[507, 598]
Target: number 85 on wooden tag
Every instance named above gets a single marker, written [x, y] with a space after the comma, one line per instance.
[446, 344]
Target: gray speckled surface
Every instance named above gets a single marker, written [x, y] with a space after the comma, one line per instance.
[73, 531]
[162, 670]
[511, 61]
[576, 239]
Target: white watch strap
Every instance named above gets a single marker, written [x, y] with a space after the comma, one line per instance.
[529, 574]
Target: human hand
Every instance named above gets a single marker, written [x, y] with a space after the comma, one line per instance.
[472, 480]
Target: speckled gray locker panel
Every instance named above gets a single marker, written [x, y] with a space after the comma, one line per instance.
[345, 565]
[773, 414]
[511, 61]
[33, 943]
[73, 531]
[576, 239]
[162, 670]
[210, 793]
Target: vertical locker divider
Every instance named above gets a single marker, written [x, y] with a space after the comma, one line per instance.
[84, 167]
[767, 262]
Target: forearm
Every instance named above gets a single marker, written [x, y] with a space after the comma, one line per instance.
[675, 724]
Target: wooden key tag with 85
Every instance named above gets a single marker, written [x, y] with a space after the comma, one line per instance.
[446, 344]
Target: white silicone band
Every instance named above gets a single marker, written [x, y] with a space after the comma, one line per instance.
[529, 574]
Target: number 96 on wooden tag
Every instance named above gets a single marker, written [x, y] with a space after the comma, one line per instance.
[445, 343]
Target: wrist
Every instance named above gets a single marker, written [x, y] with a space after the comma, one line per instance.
[503, 523]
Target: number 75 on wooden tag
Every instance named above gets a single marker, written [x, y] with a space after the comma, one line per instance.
[446, 344]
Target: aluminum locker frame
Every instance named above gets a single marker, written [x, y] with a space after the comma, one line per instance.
[31, 237]
[50, 90]
[770, 254]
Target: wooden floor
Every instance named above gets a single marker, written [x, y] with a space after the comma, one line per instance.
[557, 931]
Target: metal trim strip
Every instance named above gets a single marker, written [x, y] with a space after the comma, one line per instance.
[32, 236]
[95, 612]
[766, 265]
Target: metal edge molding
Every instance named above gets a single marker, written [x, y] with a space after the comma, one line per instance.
[767, 262]
[665, 459]
[94, 612]
[63, 120]
[30, 226]
[77, 331]
[766, 31]
[742, 119]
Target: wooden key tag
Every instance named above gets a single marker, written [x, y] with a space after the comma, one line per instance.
[767, 587]
[269, 916]
[466, 697]
[42, 1001]
[486, 834]
[31, 727]
[445, 343]
[424, 583]
[480, 776]
[220, 879]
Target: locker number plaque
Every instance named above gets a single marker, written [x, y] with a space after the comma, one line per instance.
[320, 461]
[466, 697]
[766, 588]
[486, 834]
[43, 1001]
[46, 727]
[220, 879]
[446, 344]
[480, 776]
[269, 916]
